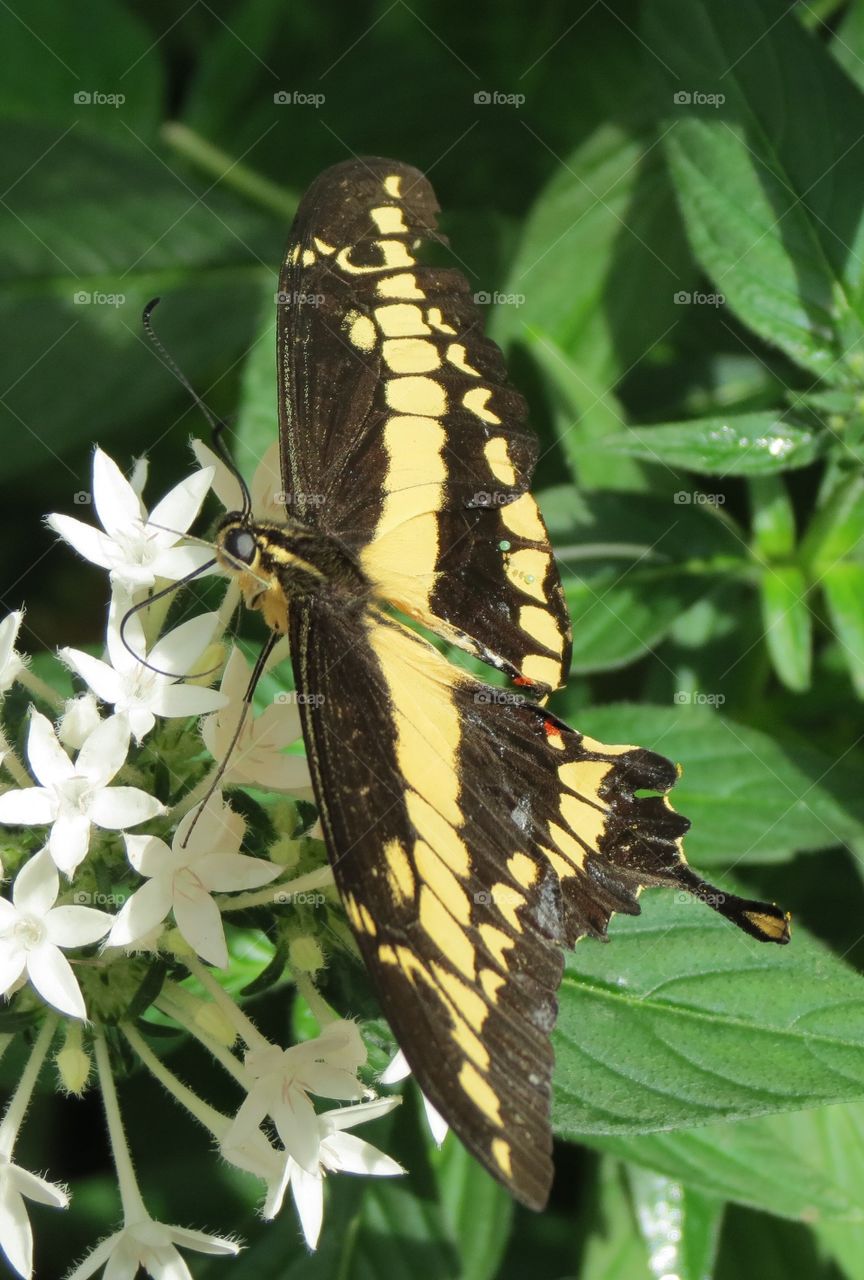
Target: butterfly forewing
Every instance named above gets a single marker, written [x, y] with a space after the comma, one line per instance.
[400, 430]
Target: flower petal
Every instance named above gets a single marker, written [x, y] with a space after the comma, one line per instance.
[178, 562]
[181, 648]
[226, 872]
[438, 1126]
[308, 1192]
[13, 962]
[30, 807]
[104, 752]
[297, 1126]
[200, 921]
[90, 543]
[149, 855]
[180, 506]
[69, 841]
[96, 1258]
[346, 1153]
[51, 974]
[397, 1069]
[203, 1241]
[348, 1117]
[117, 504]
[116, 808]
[147, 907]
[36, 885]
[102, 679]
[39, 1190]
[185, 700]
[16, 1236]
[48, 760]
[76, 926]
[216, 826]
[224, 483]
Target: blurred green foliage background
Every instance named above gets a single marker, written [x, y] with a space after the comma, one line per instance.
[662, 204]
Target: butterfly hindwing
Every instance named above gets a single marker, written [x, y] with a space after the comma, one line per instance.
[401, 433]
[472, 836]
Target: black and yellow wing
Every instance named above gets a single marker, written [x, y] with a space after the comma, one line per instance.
[472, 834]
[400, 431]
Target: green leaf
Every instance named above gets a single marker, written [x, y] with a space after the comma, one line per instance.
[256, 425]
[788, 624]
[756, 1247]
[750, 1162]
[680, 1227]
[768, 177]
[836, 530]
[749, 444]
[609, 208]
[749, 797]
[72, 288]
[683, 1020]
[477, 1210]
[844, 595]
[773, 517]
[631, 564]
[612, 1249]
[57, 69]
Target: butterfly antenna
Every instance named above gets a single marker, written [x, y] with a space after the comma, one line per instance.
[145, 604]
[217, 426]
[257, 672]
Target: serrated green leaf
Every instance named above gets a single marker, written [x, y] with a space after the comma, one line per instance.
[844, 595]
[749, 444]
[749, 797]
[788, 624]
[683, 1020]
[775, 222]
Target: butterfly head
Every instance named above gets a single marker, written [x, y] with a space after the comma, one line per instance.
[274, 563]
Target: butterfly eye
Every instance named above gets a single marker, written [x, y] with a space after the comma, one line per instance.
[240, 544]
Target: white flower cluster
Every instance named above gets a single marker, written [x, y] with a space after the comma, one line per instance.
[91, 780]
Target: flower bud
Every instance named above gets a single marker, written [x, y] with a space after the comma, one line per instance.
[73, 1061]
[305, 954]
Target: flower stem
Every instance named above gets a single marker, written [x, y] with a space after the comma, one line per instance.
[13, 764]
[221, 166]
[40, 688]
[245, 1026]
[320, 878]
[20, 1100]
[172, 1008]
[193, 797]
[321, 1010]
[130, 1196]
[211, 1119]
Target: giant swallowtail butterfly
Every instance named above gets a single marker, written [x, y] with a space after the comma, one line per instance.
[472, 834]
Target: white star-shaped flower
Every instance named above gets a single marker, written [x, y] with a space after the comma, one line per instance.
[16, 1236]
[257, 759]
[397, 1070]
[182, 879]
[74, 796]
[135, 547]
[131, 687]
[11, 664]
[266, 489]
[33, 934]
[151, 1246]
[338, 1152]
[282, 1079]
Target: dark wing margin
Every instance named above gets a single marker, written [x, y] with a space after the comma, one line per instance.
[400, 432]
[472, 836]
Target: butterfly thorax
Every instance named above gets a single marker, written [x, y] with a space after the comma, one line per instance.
[279, 562]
